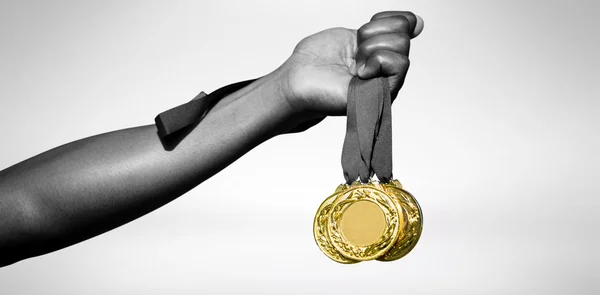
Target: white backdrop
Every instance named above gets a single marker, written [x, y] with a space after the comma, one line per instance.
[495, 133]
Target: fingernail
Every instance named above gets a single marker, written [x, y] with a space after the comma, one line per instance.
[419, 26]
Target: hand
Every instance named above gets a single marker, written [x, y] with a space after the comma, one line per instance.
[319, 71]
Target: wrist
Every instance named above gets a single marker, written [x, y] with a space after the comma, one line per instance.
[275, 92]
[277, 96]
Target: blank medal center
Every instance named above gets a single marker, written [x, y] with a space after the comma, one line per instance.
[363, 223]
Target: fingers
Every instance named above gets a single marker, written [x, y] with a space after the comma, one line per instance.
[415, 21]
[389, 25]
[386, 63]
[398, 42]
[384, 45]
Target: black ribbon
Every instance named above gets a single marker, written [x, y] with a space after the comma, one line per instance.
[171, 121]
[368, 144]
[173, 124]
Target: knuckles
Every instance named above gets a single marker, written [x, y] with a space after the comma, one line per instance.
[392, 25]
[399, 43]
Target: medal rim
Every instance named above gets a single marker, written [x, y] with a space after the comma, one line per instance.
[383, 244]
[404, 244]
[322, 230]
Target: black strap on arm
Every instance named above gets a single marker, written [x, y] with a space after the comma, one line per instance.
[188, 114]
[171, 122]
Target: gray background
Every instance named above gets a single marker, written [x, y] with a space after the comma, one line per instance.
[495, 133]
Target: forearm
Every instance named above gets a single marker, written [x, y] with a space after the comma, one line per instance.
[90, 186]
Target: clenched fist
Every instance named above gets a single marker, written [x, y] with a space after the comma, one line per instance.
[319, 71]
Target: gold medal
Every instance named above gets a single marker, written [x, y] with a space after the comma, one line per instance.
[360, 222]
[366, 219]
[321, 233]
[410, 231]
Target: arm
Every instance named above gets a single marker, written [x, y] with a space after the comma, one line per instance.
[90, 186]
[84, 188]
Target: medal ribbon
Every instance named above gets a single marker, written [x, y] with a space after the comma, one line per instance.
[368, 144]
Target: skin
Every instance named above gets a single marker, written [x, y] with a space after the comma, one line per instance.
[85, 188]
